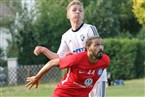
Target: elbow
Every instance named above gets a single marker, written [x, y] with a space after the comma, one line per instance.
[54, 62]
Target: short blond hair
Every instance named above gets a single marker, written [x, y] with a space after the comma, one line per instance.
[73, 2]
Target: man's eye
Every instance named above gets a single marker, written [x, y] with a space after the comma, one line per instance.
[99, 44]
[73, 10]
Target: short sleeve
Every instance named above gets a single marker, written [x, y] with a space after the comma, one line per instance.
[92, 31]
[63, 48]
[106, 59]
[68, 61]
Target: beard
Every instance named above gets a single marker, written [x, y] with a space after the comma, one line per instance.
[99, 55]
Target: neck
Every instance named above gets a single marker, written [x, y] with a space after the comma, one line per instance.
[75, 25]
[92, 58]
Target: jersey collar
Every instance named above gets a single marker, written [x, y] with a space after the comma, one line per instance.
[78, 28]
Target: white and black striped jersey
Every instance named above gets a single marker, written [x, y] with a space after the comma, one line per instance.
[74, 41]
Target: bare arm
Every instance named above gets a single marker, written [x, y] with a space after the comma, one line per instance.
[46, 52]
[35, 79]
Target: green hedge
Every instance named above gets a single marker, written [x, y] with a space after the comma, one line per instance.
[127, 57]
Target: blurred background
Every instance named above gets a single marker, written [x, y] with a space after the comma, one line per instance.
[24, 24]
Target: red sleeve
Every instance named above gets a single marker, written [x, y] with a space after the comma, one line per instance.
[106, 59]
[68, 61]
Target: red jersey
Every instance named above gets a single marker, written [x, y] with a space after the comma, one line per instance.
[81, 75]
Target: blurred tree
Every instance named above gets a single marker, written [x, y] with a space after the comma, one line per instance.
[141, 34]
[127, 20]
[8, 11]
[100, 13]
[23, 37]
[2, 62]
[51, 23]
[42, 26]
[139, 10]
[112, 18]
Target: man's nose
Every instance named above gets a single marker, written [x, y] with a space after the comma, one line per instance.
[101, 47]
[77, 11]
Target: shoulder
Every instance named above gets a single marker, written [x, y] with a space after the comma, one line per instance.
[106, 58]
[81, 54]
[67, 33]
[91, 29]
[72, 59]
[89, 25]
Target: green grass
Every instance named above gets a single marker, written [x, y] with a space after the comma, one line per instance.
[132, 88]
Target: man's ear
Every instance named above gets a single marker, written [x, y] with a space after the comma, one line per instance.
[87, 48]
[67, 15]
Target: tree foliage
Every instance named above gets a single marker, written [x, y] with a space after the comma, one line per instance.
[9, 7]
[23, 37]
[51, 22]
[139, 10]
[100, 13]
[112, 17]
[127, 57]
[141, 34]
[127, 20]
[39, 27]
[2, 61]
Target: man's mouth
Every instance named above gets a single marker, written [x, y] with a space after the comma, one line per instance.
[99, 55]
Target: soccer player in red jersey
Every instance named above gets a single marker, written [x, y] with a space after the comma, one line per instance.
[83, 70]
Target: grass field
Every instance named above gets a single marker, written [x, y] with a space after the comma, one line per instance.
[132, 88]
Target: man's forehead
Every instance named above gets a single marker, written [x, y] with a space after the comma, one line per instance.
[97, 40]
[75, 6]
